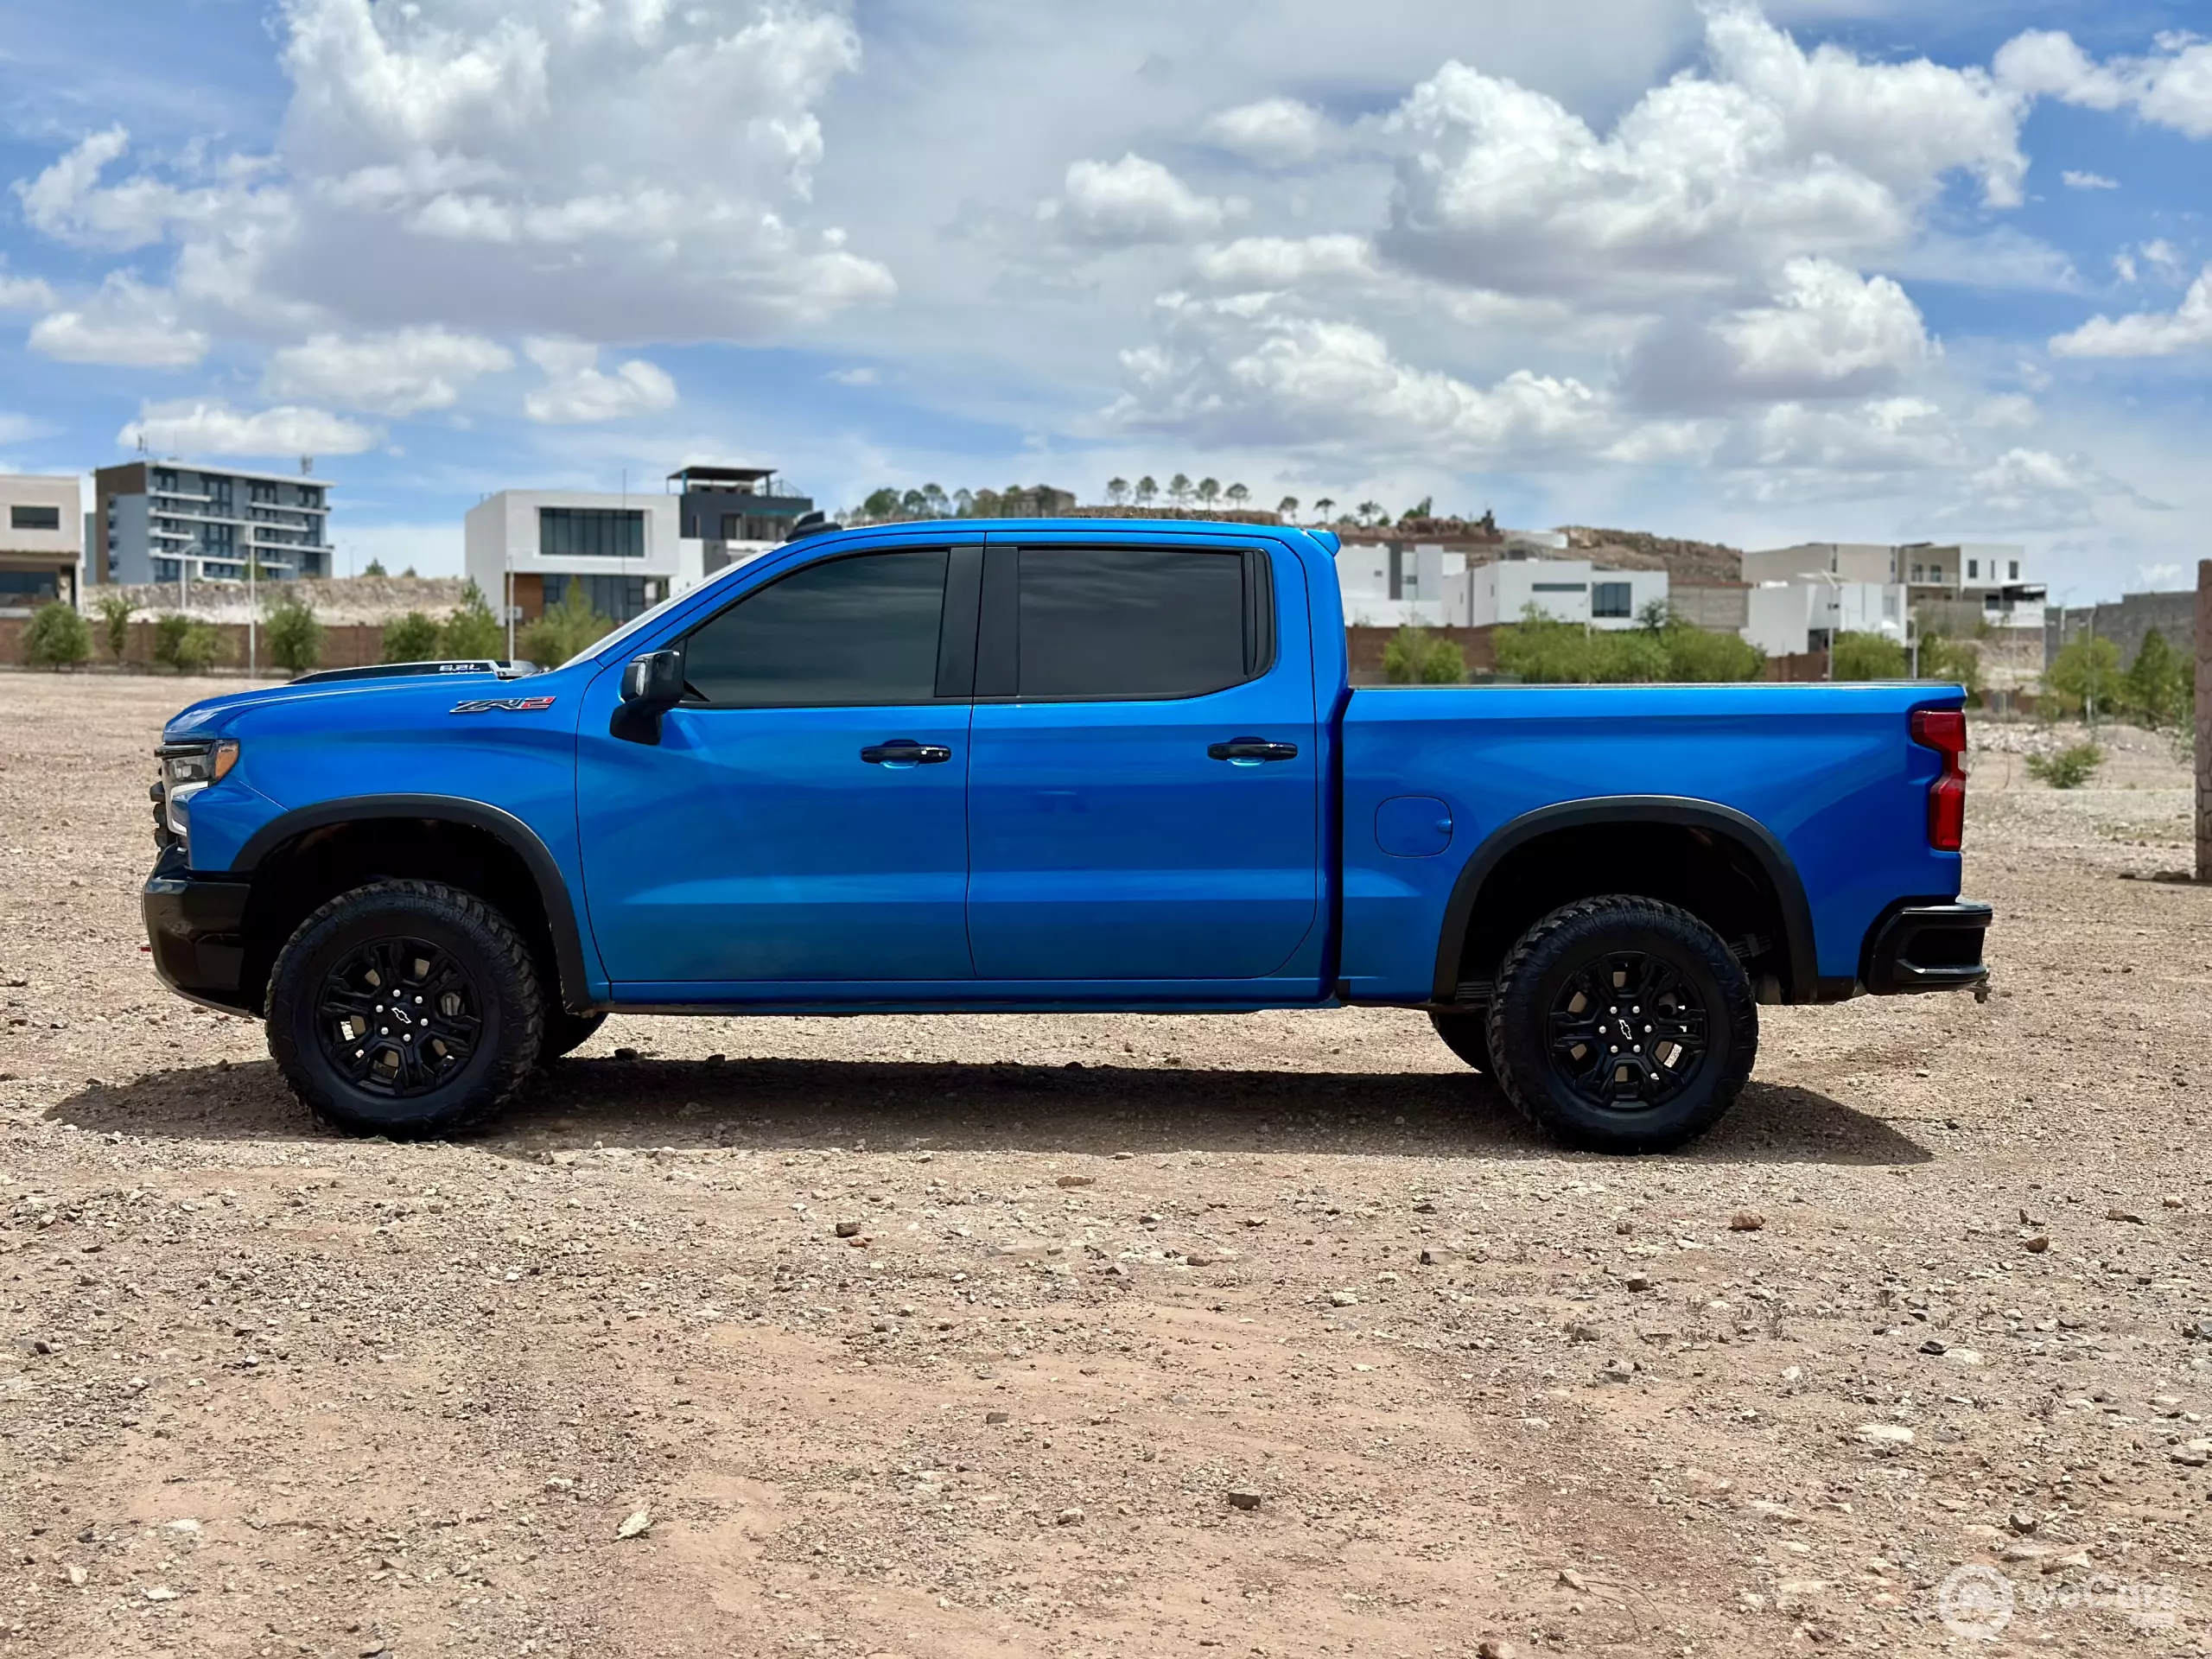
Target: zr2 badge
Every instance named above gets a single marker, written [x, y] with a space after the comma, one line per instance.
[500, 706]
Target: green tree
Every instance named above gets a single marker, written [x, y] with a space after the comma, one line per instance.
[471, 631]
[1421, 509]
[1539, 651]
[187, 646]
[935, 500]
[2159, 688]
[295, 636]
[1179, 488]
[1416, 657]
[115, 623]
[566, 630]
[880, 504]
[2084, 678]
[914, 504]
[1209, 492]
[408, 572]
[1958, 661]
[1117, 491]
[1288, 507]
[1368, 512]
[1321, 508]
[374, 567]
[56, 637]
[1147, 490]
[1865, 657]
[1237, 496]
[1700, 655]
[963, 501]
[413, 639]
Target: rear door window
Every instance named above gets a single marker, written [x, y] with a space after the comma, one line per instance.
[1132, 622]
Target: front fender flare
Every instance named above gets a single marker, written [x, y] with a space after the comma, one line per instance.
[502, 825]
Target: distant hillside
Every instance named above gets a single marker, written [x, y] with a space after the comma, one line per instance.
[1702, 562]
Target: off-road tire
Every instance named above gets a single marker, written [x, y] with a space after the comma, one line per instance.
[481, 943]
[566, 1032]
[1540, 970]
[1466, 1032]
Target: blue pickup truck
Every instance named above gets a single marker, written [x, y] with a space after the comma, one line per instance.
[1048, 767]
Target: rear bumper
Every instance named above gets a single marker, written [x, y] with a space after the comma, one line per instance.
[195, 924]
[1928, 947]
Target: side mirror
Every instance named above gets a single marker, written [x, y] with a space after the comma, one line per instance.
[652, 686]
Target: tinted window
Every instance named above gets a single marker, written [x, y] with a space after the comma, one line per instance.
[1130, 622]
[34, 518]
[591, 532]
[861, 630]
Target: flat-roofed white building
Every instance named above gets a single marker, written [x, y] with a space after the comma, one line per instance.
[42, 543]
[525, 548]
[1564, 590]
[1788, 619]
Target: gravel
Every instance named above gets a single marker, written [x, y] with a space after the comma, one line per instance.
[603, 1379]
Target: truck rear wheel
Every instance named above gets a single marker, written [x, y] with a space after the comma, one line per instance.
[1466, 1032]
[405, 1008]
[1621, 1024]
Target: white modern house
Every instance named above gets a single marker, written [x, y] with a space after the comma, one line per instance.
[42, 543]
[1996, 579]
[1790, 618]
[525, 548]
[1392, 584]
[1564, 590]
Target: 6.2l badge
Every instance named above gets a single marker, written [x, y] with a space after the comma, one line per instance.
[500, 706]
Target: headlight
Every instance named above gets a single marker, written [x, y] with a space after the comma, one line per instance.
[187, 768]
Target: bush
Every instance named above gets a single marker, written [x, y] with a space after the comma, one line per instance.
[2083, 677]
[565, 630]
[413, 639]
[187, 646]
[115, 623]
[1696, 654]
[1416, 657]
[471, 631]
[294, 637]
[2069, 768]
[1958, 661]
[56, 637]
[1865, 657]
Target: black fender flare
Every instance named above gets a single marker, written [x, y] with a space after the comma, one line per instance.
[1755, 838]
[503, 826]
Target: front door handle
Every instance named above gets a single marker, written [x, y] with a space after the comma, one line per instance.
[1251, 751]
[903, 752]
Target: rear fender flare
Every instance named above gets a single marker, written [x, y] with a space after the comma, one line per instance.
[1773, 859]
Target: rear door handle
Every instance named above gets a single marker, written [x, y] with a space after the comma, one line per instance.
[1251, 751]
[903, 752]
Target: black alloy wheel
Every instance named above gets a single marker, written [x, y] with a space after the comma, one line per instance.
[1622, 1024]
[399, 1017]
[405, 1008]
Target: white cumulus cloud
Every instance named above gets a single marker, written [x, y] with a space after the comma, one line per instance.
[1286, 262]
[1275, 131]
[211, 427]
[2172, 87]
[2146, 333]
[1116, 204]
[396, 374]
[577, 390]
[2076, 180]
[125, 323]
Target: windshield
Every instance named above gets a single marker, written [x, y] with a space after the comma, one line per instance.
[599, 647]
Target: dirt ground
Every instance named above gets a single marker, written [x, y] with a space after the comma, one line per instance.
[1269, 1335]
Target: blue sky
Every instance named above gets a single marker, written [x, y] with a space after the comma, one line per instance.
[1857, 271]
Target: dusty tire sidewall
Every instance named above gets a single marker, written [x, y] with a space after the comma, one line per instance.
[1693, 949]
[364, 918]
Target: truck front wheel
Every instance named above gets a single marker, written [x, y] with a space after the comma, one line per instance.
[1621, 1024]
[405, 1008]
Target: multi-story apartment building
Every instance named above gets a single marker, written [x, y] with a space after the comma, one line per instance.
[1951, 582]
[42, 543]
[183, 521]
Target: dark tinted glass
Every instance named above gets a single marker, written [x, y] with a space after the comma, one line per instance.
[1130, 622]
[860, 630]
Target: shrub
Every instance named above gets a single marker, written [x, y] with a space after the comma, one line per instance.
[294, 637]
[187, 646]
[1865, 657]
[1416, 657]
[1539, 652]
[566, 629]
[2160, 686]
[1696, 654]
[471, 631]
[2069, 768]
[56, 637]
[2083, 677]
[413, 639]
[1958, 661]
[115, 623]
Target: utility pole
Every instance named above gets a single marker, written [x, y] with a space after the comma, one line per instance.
[2204, 720]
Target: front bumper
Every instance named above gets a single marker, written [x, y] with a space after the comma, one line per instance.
[195, 925]
[1928, 947]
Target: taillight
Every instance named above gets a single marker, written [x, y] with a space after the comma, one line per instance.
[1944, 730]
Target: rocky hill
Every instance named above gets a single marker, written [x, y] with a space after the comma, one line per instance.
[339, 600]
[1684, 561]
